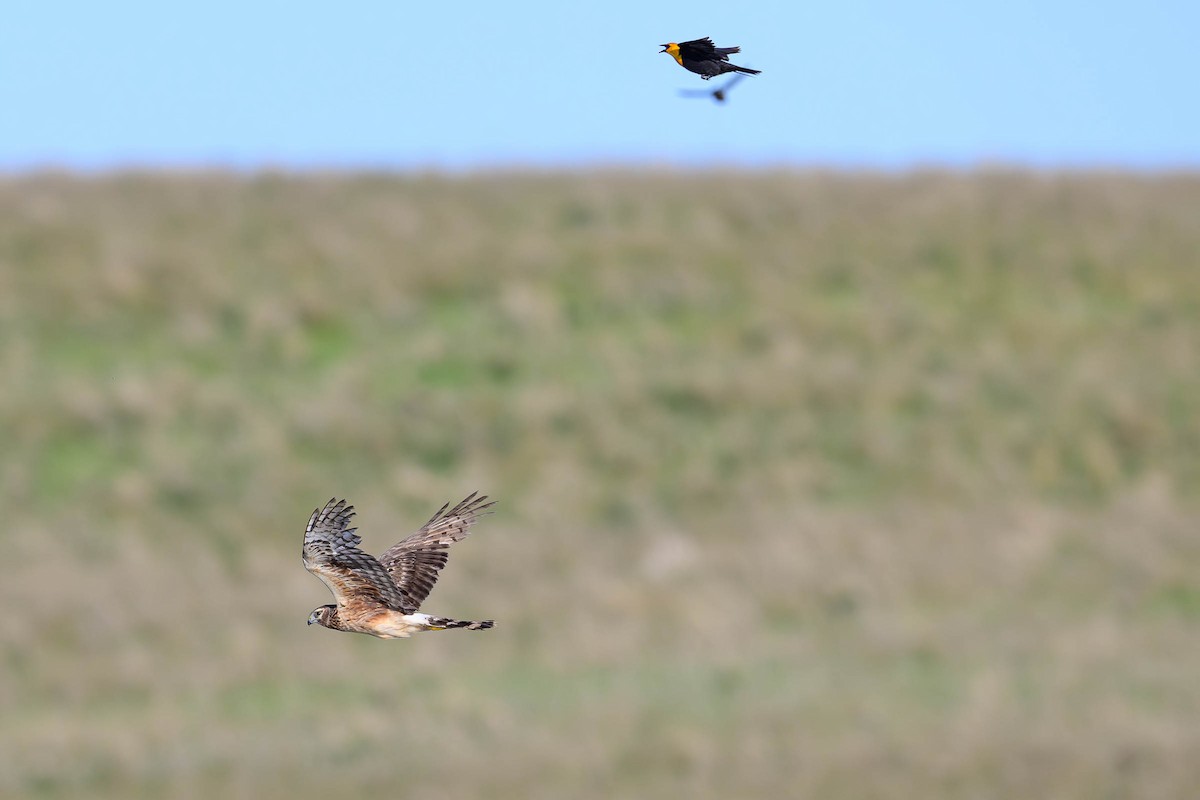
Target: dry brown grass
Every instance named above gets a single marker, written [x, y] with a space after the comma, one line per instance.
[811, 485]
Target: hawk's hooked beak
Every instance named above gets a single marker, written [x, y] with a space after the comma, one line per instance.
[310, 621]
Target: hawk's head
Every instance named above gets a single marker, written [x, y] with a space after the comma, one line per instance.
[323, 615]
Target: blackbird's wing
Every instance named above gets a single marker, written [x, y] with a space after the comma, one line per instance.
[704, 50]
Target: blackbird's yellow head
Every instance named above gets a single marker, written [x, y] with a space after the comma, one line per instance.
[673, 49]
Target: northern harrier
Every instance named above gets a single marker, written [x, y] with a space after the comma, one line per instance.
[719, 94]
[380, 596]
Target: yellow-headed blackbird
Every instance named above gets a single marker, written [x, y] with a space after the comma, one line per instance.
[704, 59]
[719, 94]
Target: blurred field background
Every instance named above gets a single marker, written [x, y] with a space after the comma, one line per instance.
[811, 485]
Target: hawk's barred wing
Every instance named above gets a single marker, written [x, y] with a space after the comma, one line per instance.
[414, 562]
[331, 553]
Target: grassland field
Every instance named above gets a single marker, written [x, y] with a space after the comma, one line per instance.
[821, 485]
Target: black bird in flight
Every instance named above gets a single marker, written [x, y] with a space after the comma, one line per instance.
[703, 58]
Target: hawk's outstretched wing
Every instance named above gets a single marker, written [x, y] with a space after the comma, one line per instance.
[331, 553]
[414, 562]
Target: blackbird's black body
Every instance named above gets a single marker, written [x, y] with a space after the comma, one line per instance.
[705, 59]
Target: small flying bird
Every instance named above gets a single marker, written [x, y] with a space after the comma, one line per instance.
[380, 596]
[719, 94]
[703, 58]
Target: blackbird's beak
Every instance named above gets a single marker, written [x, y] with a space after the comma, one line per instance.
[664, 48]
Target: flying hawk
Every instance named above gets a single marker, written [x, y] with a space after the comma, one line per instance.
[380, 596]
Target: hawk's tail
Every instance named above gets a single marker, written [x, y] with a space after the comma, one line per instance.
[441, 623]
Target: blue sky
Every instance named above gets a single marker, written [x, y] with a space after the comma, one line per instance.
[463, 85]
